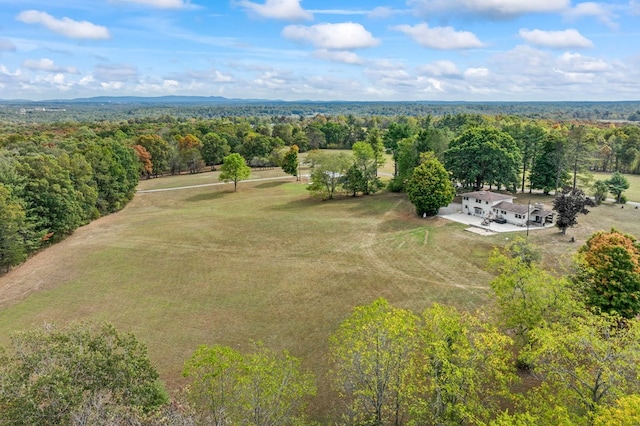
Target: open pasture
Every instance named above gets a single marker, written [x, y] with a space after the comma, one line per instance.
[269, 263]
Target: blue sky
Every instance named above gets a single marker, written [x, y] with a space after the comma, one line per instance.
[473, 50]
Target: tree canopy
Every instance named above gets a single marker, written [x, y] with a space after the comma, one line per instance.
[568, 204]
[609, 273]
[430, 187]
[234, 169]
[484, 155]
[50, 374]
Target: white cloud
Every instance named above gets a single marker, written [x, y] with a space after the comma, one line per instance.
[65, 26]
[476, 72]
[46, 64]
[575, 62]
[602, 12]
[341, 36]
[384, 12]
[490, 8]
[569, 38]
[277, 9]
[160, 4]
[441, 68]
[343, 56]
[115, 72]
[443, 38]
[6, 45]
[634, 7]
[202, 76]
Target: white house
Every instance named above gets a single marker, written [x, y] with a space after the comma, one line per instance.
[500, 208]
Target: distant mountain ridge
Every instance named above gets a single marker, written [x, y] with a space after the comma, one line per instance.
[170, 99]
[181, 99]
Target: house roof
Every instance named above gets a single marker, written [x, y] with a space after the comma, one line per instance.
[487, 196]
[513, 208]
[541, 213]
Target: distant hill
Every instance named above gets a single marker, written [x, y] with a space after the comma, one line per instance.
[165, 100]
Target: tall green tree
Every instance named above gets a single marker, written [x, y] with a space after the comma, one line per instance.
[609, 273]
[262, 388]
[549, 170]
[600, 191]
[529, 138]
[327, 171]
[159, 150]
[586, 363]
[51, 202]
[527, 296]
[50, 373]
[214, 149]
[371, 356]
[374, 138]
[617, 185]
[464, 366]
[290, 162]
[234, 169]
[365, 160]
[430, 187]
[484, 155]
[13, 230]
[581, 145]
[392, 137]
[568, 204]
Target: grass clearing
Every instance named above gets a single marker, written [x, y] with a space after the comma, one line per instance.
[268, 263]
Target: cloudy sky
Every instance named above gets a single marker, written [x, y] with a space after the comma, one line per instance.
[475, 50]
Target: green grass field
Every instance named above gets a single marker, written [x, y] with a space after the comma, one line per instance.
[268, 263]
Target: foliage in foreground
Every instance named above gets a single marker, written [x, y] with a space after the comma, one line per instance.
[609, 273]
[262, 388]
[53, 375]
[392, 367]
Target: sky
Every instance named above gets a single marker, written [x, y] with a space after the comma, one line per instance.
[350, 50]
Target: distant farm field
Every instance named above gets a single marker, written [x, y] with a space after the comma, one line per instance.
[204, 265]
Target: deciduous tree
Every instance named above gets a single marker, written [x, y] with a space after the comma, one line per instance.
[50, 373]
[430, 187]
[13, 230]
[214, 149]
[600, 191]
[371, 356]
[290, 162]
[568, 204]
[484, 155]
[609, 273]
[262, 388]
[365, 161]
[327, 172]
[465, 369]
[617, 185]
[584, 364]
[527, 296]
[234, 169]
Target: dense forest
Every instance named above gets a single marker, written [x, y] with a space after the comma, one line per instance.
[123, 108]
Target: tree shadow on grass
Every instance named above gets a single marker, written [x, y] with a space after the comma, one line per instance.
[207, 196]
[273, 184]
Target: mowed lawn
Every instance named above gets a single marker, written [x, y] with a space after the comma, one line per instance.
[269, 263]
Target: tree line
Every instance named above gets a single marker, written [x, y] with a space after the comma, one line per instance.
[55, 177]
[50, 185]
[576, 338]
